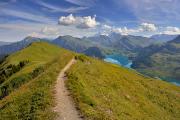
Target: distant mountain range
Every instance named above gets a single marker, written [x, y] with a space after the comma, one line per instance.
[72, 43]
[4, 43]
[126, 41]
[13, 47]
[163, 37]
[94, 52]
[124, 44]
[79, 45]
[160, 60]
[127, 45]
[68, 42]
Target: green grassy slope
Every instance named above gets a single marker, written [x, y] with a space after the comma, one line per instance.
[103, 91]
[30, 95]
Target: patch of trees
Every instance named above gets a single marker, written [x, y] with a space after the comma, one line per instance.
[81, 57]
[9, 86]
[3, 58]
[8, 71]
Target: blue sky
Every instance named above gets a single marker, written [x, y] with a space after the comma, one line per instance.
[51, 18]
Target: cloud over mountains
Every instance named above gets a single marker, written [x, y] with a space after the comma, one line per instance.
[148, 27]
[171, 30]
[143, 27]
[80, 22]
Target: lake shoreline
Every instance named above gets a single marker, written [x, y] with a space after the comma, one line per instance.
[126, 62]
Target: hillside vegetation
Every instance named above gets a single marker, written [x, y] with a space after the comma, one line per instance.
[103, 91]
[28, 92]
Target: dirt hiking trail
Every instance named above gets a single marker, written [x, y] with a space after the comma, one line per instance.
[64, 104]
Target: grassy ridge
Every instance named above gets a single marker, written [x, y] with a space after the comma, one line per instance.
[103, 91]
[38, 54]
[33, 99]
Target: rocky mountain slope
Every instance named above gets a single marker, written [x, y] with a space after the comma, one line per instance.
[160, 60]
[161, 38]
[114, 43]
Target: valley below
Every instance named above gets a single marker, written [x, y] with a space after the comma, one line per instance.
[119, 60]
[126, 62]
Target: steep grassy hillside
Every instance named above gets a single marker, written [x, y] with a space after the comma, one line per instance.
[103, 91]
[27, 93]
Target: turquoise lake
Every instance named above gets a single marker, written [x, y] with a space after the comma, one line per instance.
[125, 62]
[119, 59]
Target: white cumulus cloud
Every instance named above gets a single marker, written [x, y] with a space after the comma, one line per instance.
[149, 27]
[80, 22]
[87, 22]
[106, 29]
[67, 20]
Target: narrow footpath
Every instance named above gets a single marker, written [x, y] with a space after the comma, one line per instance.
[65, 107]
